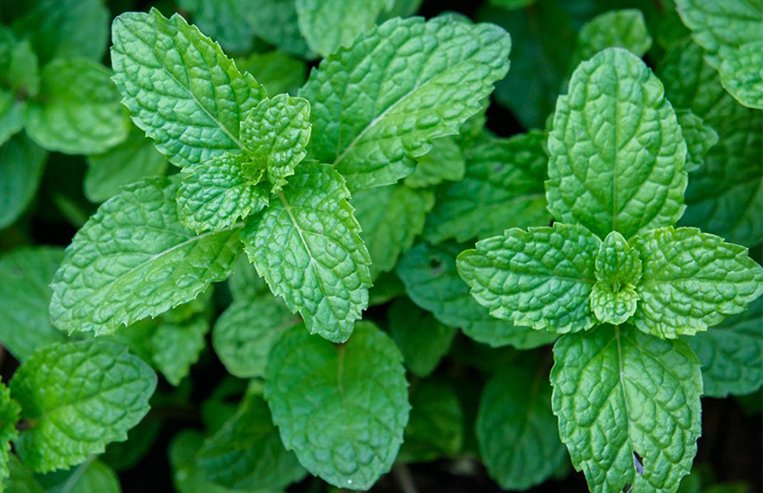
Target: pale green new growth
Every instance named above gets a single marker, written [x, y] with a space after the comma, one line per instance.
[77, 397]
[308, 248]
[629, 408]
[77, 110]
[618, 272]
[21, 166]
[9, 416]
[134, 259]
[540, 278]
[691, 281]
[742, 74]
[379, 105]
[616, 28]
[699, 137]
[616, 150]
[180, 87]
[350, 429]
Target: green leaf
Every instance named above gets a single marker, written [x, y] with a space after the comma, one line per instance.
[24, 298]
[247, 330]
[224, 21]
[275, 135]
[21, 71]
[247, 453]
[77, 110]
[512, 4]
[64, 28]
[21, 166]
[516, 430]
[431, 280]
[11, 115]
[244, 282]
[616, 150]
[628, 406]
[131, 161]
[732, 354]
[275, 21]
[215, 196]
[741, 75]
[186, 475]
[390, 219]
[91, 476]
[72, 415]
[421, 338]
[436, 426]
[502, 188]
[21, 479]
[616, 28]
[133, 259]
[176, 346]
[328, 25]
[699, 137]
[180, 87]
[275, 70]
[342, 409]
[444, 162]
[618, 272]
[372, 126]
[308, 248]
[691, 281]
[540, 278]
[9, 417]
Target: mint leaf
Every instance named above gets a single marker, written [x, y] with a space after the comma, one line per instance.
[275, 70]
[21, 479]
[186, 474]
[275, 21]
[9, 416]
[431, 280]
[421, 338]
[24, 298]
[699, 137]
[21, 166]
[502, 187]
[244, 283]
[247, 454]
[371, 126]
[246, 331]
[342, 409]
[77, 110]
[616, 151]
[11, 115]
[214, 196]
[72, 415]
[128, 162]
[176, 346]
[540, 278]
[308, 248]
[330, 24]
[444, 162]
[741, 76]
[390, 219]
[732, 353]
[516, 430]
[618, 272]
[64, 28]
[224, 21]
[628, 406]
[614, 29]
[692, 281]
[92, 476]
[203, 95]
[275, 134]
[133, 259]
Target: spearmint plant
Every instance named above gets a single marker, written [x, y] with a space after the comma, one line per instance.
[270, 280]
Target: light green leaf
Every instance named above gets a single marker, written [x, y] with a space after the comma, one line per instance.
[436, 426]
[21, 166]
[371, 125]
[390, 218]
[77, 110]
[616, 150]
[692, 281]
[328, 25]
[275, 134]
[628, 406]
[742, 75]
[216, 195]
[247, 453]
[277, 71]
[131, 161]
[24, 298]
[246, 331]
[70, 414]
[732, 354]
[699, 137]
[11, 115]
[133, 259]
[444, 162]
[502, 188]
[516, 430]
[180, 87]
[9, 417]
[342, 409]
[421, 338]
[91, 476]
[618, 272]
[21, 479]
[540, 278]
[616, 28]
[431, 280]
[275, 21]
[225, 21]
[176, 346]
[21, 72]
[308, 248]
[64, 28]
